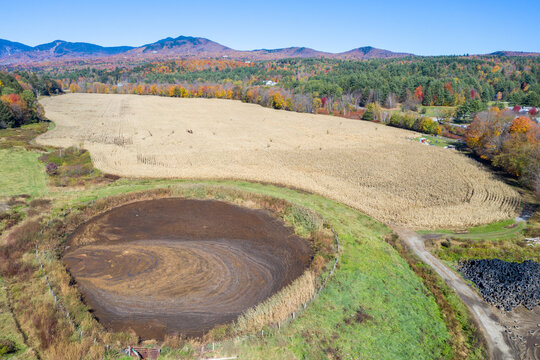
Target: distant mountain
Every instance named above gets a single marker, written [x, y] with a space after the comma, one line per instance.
[13, 53]
[514, 53]
[61, 48]
[290, 52]
[8, 48]
[368, 52]
[183, 45]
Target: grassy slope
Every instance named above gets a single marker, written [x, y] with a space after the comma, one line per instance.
[21, 173]
[437, 140]
[8, 328]
[372, 277]
[494, 231]
[502, 239]
[436, 110]
[23, 136]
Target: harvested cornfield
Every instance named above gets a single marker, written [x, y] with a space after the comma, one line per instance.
[371, 167]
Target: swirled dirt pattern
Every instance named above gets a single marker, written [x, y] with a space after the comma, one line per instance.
[181, 266]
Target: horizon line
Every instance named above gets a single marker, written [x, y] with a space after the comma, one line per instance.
[279, 48]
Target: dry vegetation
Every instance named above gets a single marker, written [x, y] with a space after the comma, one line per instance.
[368, 166]
[280, 306]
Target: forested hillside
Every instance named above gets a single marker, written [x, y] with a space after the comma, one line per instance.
[18, 100]
[434, 81]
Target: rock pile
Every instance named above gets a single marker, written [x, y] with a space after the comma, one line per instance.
[505, 284]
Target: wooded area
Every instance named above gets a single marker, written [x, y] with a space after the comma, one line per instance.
[18, 98]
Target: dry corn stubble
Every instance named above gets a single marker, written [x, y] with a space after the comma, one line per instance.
[371, 167]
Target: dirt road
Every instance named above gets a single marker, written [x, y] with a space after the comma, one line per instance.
[488, 322]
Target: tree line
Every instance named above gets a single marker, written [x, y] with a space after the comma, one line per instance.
[433, 81]
[509, 142]
[18, 98]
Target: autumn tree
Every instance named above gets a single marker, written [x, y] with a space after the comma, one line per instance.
[520, 154]
[278, 102]
[513, 145]
[419, 93]
[317, 103]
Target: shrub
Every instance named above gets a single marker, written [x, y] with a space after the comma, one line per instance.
[9, 219]
[317, 264]
[7, 346]
[304, 220]
[409, 121]
[18, 242]
[368, 115]
[39, 203]
[51, 168]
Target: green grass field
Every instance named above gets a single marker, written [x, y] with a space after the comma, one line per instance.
[438, 141]
[436, 111]
[499, 230]
[503, 240]
[495, 103]
[21, 173]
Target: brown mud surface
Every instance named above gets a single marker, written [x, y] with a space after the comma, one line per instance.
[522, 331]
[181, 266]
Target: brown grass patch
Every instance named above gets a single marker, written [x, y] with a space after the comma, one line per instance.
[280, 306]
[371, 167]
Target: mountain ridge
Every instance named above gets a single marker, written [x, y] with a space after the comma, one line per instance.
[12, 53]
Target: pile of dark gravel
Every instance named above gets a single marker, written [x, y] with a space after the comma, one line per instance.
[505, 284]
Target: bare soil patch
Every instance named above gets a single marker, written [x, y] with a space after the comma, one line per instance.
[522, 331]
[173, 265]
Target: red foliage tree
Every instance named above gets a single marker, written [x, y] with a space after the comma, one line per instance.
[419, 93]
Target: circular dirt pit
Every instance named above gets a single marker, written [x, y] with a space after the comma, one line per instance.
[181, 266]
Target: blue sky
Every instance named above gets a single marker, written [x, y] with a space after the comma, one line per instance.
[420, 27]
